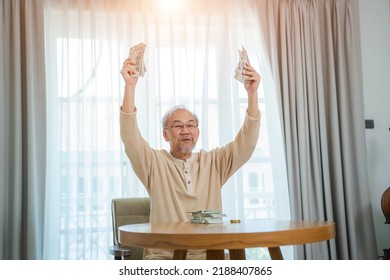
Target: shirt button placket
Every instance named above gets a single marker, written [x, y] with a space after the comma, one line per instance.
[187, 176]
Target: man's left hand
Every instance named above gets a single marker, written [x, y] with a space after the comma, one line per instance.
[252, 80]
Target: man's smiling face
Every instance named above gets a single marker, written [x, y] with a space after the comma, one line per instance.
[182, 133]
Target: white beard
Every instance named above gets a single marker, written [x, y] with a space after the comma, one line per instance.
[186, 150]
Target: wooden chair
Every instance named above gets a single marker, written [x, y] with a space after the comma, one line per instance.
[385, 203]
[128, 211]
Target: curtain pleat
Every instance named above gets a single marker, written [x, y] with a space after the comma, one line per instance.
[23, 129]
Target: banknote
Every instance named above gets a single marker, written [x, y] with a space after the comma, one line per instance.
[242, 60]
[137, 55]
[207, 217]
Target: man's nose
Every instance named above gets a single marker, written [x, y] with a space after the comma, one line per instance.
[185, 130]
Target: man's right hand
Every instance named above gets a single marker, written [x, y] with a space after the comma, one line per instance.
[128, 72]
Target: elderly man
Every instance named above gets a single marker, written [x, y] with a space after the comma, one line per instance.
[180, 181]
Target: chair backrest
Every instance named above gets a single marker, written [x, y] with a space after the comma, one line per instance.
[385, 203]
[134, 210]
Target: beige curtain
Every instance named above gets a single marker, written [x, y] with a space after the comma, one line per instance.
[22, 129]
[314, 52]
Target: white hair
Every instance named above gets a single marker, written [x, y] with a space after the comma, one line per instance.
[164, 121]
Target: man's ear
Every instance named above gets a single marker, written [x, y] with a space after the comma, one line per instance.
[165, 135]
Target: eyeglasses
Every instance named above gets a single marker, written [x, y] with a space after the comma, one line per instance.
[180, 126]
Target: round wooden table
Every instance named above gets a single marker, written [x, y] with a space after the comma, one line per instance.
[232, 236]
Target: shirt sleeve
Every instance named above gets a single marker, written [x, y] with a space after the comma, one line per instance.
[236, 153]
[137, 148]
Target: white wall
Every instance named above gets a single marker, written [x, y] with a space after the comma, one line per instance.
[375, 37]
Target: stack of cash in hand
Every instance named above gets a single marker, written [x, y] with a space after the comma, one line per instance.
[137, 55]
[207, 217]
[242, 60]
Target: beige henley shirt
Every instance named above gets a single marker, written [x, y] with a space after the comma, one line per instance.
[177, 186]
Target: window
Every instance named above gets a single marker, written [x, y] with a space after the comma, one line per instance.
[190, 60]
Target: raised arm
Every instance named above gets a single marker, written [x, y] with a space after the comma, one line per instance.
[252, 82]
[128, 103]
[137, 149]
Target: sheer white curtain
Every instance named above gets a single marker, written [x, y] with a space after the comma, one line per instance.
[191, 55]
